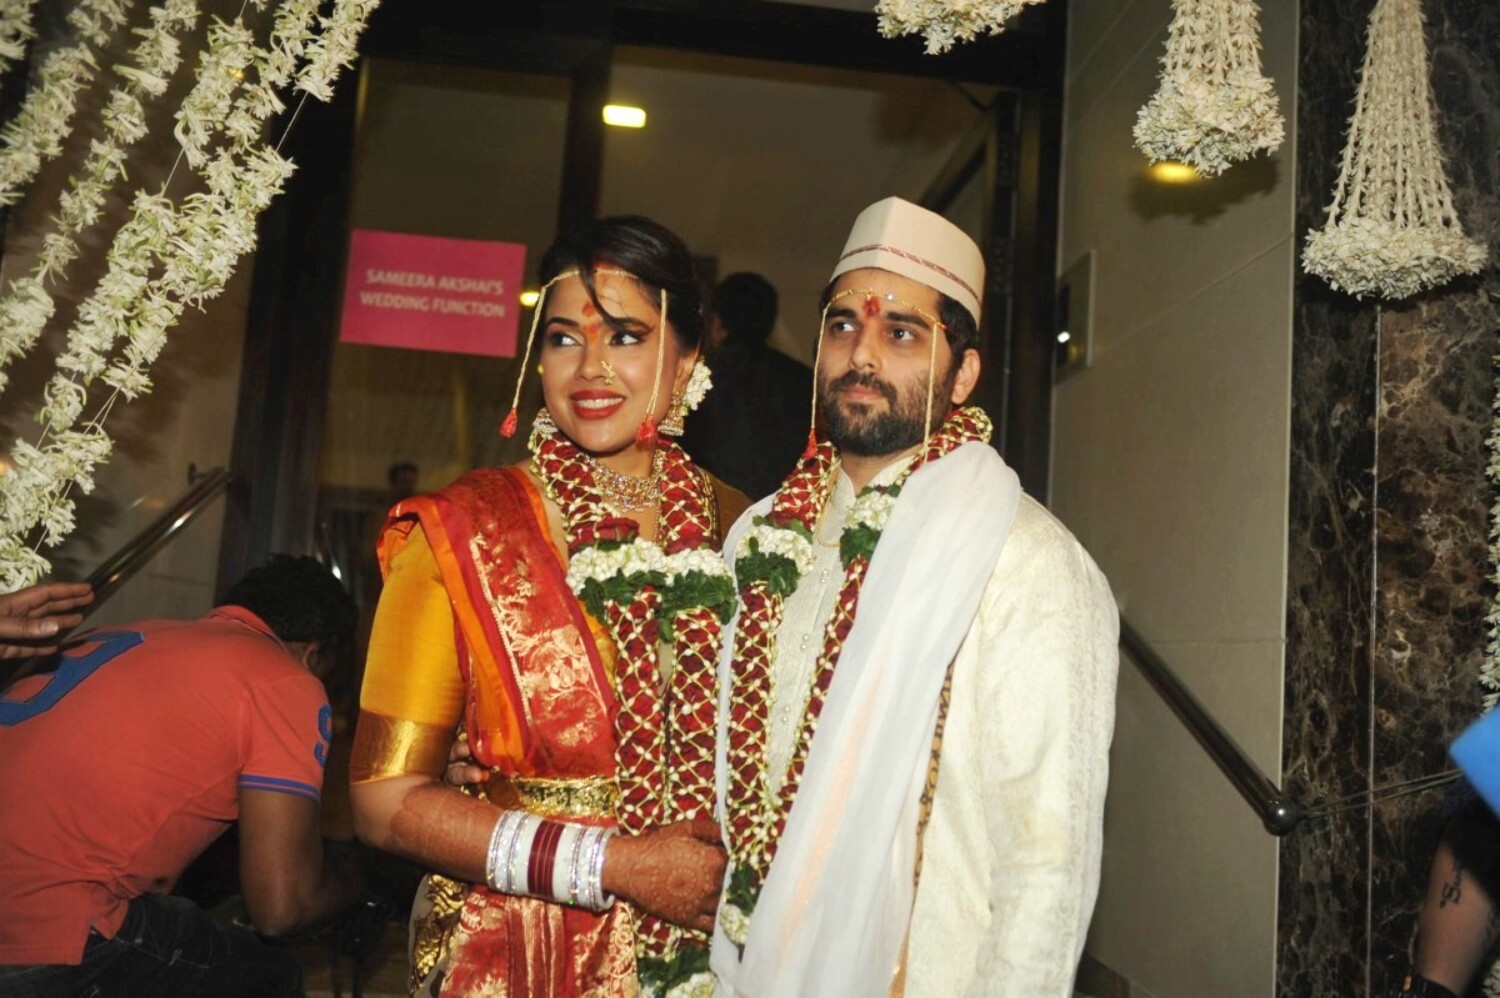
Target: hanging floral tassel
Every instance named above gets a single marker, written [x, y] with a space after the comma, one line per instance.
[1392, 230]
[1214, 108]
[943, 22]
[812, 444]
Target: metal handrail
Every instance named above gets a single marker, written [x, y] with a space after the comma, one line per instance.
[1278, 812]
[120, 566]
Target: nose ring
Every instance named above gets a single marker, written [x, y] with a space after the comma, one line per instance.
[609, 372]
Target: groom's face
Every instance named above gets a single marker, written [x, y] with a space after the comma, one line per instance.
[881, 346]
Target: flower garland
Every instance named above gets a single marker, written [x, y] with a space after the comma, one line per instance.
[770, 563]
[943, 22]
[27, 305]
[1489, 673]
[16, 29]
[699, 383]
[36, 133]
[680, 592]
[1214, 108]
[191, 247]
[1392, 229]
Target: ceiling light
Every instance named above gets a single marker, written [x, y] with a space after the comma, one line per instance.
[624, 116]
[1171, 172]
[1064, 336]
[529, 299]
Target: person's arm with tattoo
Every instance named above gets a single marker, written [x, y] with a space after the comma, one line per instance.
[1456, 928]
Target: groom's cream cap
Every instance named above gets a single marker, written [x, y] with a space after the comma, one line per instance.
[905, 239]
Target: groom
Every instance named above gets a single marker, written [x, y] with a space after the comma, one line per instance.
[918, 699]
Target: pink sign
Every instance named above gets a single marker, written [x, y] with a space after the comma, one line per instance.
[430, 293]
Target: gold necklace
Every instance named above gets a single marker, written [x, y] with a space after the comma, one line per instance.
[626, 493]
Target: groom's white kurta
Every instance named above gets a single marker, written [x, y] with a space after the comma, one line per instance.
[1011, 852]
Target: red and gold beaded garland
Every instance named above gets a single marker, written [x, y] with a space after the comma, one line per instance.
[768, 571]
[664, 752]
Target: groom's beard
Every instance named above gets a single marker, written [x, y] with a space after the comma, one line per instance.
[867, 429]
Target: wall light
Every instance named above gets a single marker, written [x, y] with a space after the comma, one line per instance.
[529, 299]
[624, 116]
[1064, 336]
[1171, 172]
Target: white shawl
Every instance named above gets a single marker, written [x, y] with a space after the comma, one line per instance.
[834, 911]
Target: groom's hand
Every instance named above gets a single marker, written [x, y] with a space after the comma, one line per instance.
[674, 872]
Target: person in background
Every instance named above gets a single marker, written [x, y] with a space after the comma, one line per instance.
[752, 426]
[123, 764]
[1457, 926]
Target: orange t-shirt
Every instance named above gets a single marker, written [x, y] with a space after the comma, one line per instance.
[120, 767]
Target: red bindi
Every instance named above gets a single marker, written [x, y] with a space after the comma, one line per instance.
[872, 306]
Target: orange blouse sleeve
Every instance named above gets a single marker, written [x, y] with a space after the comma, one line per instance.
[413, 694]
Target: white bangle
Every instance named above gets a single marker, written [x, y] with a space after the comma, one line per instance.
[565, 862]
[492, 854]
[525, 829]
[598, 900]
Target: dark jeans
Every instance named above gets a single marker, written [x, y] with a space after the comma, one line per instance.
[166, 947]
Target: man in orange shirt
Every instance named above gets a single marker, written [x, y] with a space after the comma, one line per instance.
[121, 766]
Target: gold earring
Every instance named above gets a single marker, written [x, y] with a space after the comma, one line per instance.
[673, 426]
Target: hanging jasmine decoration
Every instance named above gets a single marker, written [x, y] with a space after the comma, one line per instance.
[16, 30]
[1391, 229]
[1214, 108]
[172, 253]
[943, 22]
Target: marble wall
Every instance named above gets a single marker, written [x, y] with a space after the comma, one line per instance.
[1388, 523]
[1169, 463]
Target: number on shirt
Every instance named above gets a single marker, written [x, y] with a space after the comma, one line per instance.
[325, 732]
[70, 672]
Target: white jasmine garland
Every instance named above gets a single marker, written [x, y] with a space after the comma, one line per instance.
[944, 22]
[335, 48]
[594, 563]
[703, 560]
[1214, 107]
[191, 247]
[784, 541]
[872, 509]
[1489, 673]
[16, 29]
[1392, 229]
[156, 59]
[734, 923]
[698, 986]
[698, 385]
[35, 134]
[222, 67]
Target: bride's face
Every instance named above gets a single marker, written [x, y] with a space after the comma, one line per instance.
[597, 374]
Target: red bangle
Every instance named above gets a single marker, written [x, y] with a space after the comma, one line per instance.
[543, 856]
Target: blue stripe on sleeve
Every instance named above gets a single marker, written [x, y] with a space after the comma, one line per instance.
[249, 781]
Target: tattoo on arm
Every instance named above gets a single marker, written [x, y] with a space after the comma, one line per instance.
[1453, 889]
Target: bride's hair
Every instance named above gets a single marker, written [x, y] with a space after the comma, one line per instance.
[651, 252]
